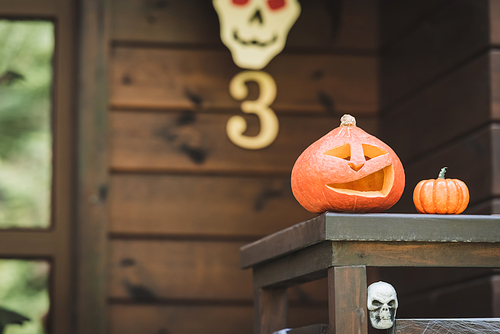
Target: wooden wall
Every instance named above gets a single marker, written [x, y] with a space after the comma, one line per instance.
[183, 198]
[439, 95]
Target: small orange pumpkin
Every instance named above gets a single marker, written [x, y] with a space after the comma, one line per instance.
[348, 170]
[443, 196]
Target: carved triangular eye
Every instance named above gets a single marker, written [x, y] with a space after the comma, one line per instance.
[343, 152]
[372, 151]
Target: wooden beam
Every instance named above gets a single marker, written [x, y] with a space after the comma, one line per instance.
[26, 244]
[298, 267]
[384, 227]
[347, 300]
[92, 176]
[271, 310]
[29, 8]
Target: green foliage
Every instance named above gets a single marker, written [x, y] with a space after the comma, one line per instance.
[26, 50]
[23, 289]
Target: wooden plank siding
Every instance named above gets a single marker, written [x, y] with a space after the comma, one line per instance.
[445, 38]
[321, 25]
[166, 204]
[475, 298]
[161, 78]
[480, 176]
[210, 319]
[197, 270]
[440, 84]
[197, 142]
[183, 198]
[457, 103]
[30, 8]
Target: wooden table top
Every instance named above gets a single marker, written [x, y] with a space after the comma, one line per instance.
[385, 227]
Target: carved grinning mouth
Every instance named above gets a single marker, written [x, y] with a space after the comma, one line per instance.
[254, 42]
[376, 184]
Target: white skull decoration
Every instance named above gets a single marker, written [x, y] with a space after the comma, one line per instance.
[382, 305]
[255, 31]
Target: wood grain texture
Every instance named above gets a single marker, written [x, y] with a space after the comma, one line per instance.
[452, 34]
[153, 204]
[347, 300]
[448, 109]
[495, 22]
[91, 231]
[153, 270]
[173, 78]
[197, 142]
[479, 147]
[65, 108]
[398, 18]
[495, 81]
[299, 266]
[321, 25]
[411, 282]
[210, 319]
[283, 242]
[488, 207]
[29, 8]
[378, 227]
[311, 329]
[270, 310]
[474, 298]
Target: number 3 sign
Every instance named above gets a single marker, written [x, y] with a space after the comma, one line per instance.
[255, 31]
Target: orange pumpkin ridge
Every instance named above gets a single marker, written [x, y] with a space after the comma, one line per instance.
[441, 196]
[348, 170]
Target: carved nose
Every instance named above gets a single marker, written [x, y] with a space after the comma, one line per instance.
[257, 16]
[355, 167]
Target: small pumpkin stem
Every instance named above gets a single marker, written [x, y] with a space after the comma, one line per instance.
[347, 120]
[441, 173]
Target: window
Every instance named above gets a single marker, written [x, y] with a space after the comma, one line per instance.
[26, 53]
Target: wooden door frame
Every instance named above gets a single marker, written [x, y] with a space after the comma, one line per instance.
[76, 243]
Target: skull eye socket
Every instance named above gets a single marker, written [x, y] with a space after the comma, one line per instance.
[376, 303]
[372, 151]
[276, 4]
[342, 152]
[240, 2]
[392, 303]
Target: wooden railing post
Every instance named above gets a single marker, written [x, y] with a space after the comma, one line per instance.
[347, 300]
[271, 308]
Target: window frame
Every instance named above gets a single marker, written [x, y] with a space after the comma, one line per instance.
[76, 242]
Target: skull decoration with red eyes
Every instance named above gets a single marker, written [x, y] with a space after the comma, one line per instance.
[255, 31]
[348, 170]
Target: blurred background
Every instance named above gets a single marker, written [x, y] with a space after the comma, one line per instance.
[26, 52]
[123, 203]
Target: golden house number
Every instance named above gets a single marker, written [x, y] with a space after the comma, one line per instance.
[269, 125]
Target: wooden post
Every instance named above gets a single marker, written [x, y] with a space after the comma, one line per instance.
[347, 300]
[271, 308]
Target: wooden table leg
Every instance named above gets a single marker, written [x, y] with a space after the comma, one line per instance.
[347, 300]
[271, 308]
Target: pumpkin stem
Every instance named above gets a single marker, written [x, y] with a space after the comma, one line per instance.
[347, 120]
[441, 173]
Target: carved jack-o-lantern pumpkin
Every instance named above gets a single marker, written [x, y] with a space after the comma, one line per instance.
[348, 170]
